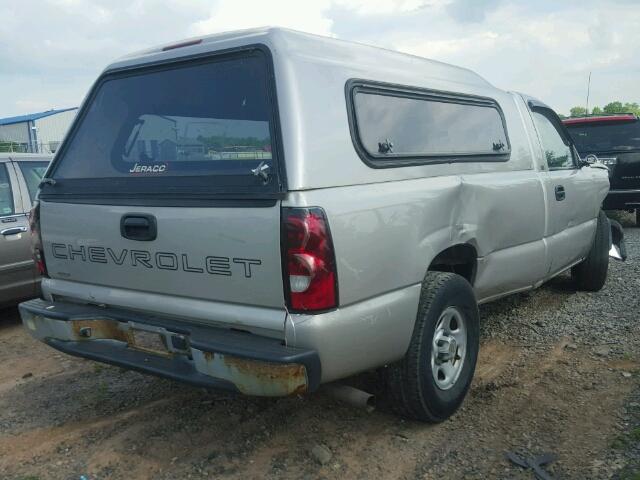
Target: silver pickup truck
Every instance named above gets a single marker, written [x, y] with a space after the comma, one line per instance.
[267, 210]
[20, 175]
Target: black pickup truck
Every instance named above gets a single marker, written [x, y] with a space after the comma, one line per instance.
[613, 140]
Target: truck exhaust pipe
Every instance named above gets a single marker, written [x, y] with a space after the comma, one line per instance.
[352, 396]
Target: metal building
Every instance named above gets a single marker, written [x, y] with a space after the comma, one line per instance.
[37, 132]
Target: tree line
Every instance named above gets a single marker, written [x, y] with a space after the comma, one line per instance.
[611, 107]
[220, 142]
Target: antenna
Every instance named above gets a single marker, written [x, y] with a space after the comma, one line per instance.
[588, 91]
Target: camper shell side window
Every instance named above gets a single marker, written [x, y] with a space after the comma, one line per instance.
[397, 126]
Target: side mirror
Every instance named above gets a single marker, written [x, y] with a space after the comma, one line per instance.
[584, 163]
[594, 162]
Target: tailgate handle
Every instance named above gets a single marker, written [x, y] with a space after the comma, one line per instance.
[139, 226]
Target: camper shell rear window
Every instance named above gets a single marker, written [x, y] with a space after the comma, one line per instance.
[198, 128]
[395, 126]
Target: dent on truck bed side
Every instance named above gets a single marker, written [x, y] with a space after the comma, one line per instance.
[387, 235]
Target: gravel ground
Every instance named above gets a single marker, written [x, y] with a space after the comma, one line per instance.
[558, 372]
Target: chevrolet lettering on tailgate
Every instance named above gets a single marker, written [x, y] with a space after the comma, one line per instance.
[212, 264]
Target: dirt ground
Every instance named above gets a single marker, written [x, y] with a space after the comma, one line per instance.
[558, 372]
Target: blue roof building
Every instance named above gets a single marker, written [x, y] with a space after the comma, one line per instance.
[40, 132]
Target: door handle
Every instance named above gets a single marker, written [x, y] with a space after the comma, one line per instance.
[560, 193]
[13, 231]
[139, 226]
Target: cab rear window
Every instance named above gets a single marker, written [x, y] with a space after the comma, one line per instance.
[196, 125]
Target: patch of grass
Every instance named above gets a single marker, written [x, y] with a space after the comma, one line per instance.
[620, 443]
[103, 388]
[29, 477]
[630, 475]
[101, 392]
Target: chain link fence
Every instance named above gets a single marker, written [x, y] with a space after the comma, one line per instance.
[17, 147]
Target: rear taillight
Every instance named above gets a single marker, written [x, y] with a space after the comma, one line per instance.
[309, 263]
[36, 240]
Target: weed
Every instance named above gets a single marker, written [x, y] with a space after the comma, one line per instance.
[630, 475]
[620, 443]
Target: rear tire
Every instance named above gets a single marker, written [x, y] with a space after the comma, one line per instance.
[432, 380]
[591, 274]
[637, 217]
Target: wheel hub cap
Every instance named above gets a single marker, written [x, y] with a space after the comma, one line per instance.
[449, 348]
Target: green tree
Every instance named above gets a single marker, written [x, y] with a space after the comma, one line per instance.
[632, 108]
[596, 111]
[220, 142]
[614, 107]
[578, 112]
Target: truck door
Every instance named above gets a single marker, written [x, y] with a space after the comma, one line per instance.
[17, 274]
[569, 190]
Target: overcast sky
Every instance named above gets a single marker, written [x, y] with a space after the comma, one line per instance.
[52, 50]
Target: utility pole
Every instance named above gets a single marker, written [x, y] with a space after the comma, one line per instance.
[588, 90]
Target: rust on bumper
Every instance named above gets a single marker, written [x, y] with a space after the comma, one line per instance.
[95, 329]
[255, 377]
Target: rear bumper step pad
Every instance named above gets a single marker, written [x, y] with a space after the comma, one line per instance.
[205, 356]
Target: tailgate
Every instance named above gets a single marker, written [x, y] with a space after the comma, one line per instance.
[218, 254]
[626, 172]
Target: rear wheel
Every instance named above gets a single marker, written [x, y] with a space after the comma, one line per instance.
[432, 379]
[591, 273]
[637, 217]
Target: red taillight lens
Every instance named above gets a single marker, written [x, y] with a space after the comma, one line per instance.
[36, 240]
[309, 262]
